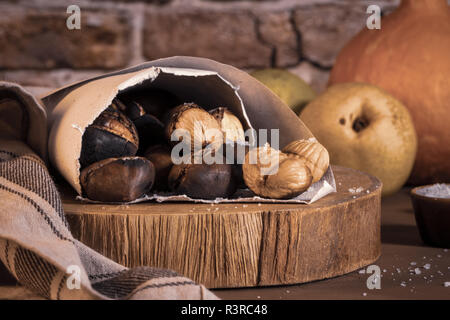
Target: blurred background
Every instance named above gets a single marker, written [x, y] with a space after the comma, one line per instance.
[304, 36]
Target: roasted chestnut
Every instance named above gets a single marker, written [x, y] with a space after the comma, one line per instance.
[156, 102]
[150, 131]
[160, 156]
[111, 135]
[202, 181]
[132, 109]
[230, 125]
[238, 176]
[203, 128]
[118, 179]
[271, 173]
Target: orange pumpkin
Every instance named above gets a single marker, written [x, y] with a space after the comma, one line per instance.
[410, 58]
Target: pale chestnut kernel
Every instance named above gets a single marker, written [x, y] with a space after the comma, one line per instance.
[313, 153]
[274, 174]
[203, 128]
[229, 124]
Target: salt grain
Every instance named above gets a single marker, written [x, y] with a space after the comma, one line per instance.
[417, 271]
[403, 284]
[364, 294]
[356, 190]
[438, 190]
[447, 284]
[427, 266]
[413, 263]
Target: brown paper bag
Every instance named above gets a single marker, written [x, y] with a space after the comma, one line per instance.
[206, 82]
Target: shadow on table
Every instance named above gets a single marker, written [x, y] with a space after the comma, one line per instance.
[401, 234]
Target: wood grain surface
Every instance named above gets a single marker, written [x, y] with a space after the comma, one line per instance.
[241, 244]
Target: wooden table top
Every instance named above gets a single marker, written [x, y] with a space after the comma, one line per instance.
[402, 252]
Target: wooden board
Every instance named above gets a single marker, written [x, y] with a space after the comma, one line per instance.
[241, 244]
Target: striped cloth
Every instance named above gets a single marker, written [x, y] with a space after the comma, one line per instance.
[37, 247]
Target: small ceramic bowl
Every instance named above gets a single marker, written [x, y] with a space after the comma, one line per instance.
[432, 215]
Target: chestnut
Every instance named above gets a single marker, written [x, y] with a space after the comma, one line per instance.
[270, 173]
[111, 135]
[150, 131]
[231, 126]
[202, 127]
[202, 181]
[133, 110]
[117, 179]
[238, 176]
[160, 156]
[156, 102]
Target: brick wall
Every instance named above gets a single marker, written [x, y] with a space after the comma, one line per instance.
[304, 36]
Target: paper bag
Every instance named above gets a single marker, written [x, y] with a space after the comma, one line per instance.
[205, 82]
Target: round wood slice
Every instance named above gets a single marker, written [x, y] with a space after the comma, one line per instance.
[241, 244]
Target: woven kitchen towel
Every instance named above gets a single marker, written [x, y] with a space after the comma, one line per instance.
[36, 244]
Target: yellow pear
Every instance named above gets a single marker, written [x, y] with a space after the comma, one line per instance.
[365, 128]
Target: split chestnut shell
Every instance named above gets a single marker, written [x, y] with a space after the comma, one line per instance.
[313, 153]
[111, 135]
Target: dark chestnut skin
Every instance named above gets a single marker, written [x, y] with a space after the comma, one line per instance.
[111, 135]
[202, 181]
[160, 156]
[231, 155]
[156, 102]
[118, 179]
[133, 110]
[238, 176]
[150, 131]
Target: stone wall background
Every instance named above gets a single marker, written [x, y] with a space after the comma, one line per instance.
[304, 36]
